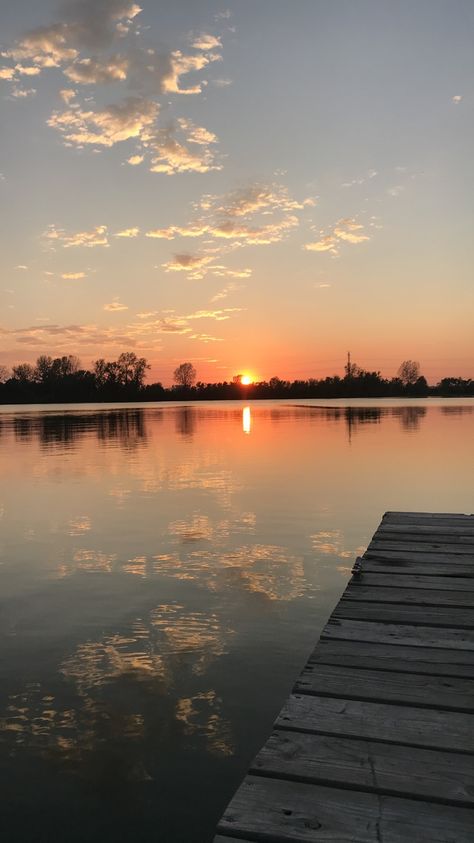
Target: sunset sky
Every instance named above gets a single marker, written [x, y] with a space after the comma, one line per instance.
[254, 186]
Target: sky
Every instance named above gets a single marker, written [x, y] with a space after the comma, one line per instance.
[254, 187]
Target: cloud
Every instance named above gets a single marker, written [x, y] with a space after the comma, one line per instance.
[221, 83]
[7, 73]
[89, 23]
[351, 231]
[370, 174]
[134, 160]
[457, 99]
[226, 291]
[172, 154]
[130, 118]
[22, 93]
[204, 41]
[347, 230]
[232, 217]
[20, 266]
[92, 71]
[192, 264]
[180, 65]
[67, 94]
[73, 276]
[115, 306]
[93, 25]
[95, 237]
[128, 232]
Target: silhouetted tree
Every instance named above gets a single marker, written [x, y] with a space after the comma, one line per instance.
[4, 374]
[185, 375]
[409, 372]
[24, 372]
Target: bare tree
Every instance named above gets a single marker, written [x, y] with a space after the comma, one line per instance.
[185, 375]
[4, 374]
[409, 372]
[24, 372]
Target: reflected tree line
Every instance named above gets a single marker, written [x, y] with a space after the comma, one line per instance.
[62, 379]
[127, 428]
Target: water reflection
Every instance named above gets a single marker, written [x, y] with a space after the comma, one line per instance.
[185, 421]
[246, 420]
[157, 564]
[102, 683]
[410, 417]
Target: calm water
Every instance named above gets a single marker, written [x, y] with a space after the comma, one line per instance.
[164, 573]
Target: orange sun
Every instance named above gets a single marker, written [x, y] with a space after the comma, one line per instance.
[245, 380]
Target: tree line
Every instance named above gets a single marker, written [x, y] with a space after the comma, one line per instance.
[62, 379]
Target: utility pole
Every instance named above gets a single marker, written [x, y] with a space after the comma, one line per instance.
[348, 365]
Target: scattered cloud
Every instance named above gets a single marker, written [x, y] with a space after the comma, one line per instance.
[20, 266]
[95, 237]
[194, 265]
[396, 190]
[347, 230]
[226, 291]
[221, 83]
[22, 93]
[115, 306]
[75, 46]
[92, 71]
[204, 41]
[182, 147]
[131, 118]
[67, 94]
[128, 232]
[134, 160]
[368, 176]
[73, 276]
[457, 99]
[232, 217]
[88, 24]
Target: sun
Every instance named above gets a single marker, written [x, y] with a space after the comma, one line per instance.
[245, 380]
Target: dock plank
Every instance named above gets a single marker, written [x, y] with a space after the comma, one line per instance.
[421, 547]
[426, 530]
[409, 582]
[418, 596]
[412, 636]
[274, 810]
[385, 657]
[436, 616]
[391, 686]
[397, 770]
[398, 724]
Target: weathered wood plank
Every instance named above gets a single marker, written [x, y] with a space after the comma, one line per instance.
[386, 768]
[427, 530]
[391, 563]
[412, 636]
[448, 559]
[275, 810]
[440, 616]
[221, 839]
[398, 724]
[432, 516]
[388, 686]
[421, 547]
[408, 537]
[411, 582]
[417, 596]
[375, 656]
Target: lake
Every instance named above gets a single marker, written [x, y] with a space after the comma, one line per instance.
[165, 571]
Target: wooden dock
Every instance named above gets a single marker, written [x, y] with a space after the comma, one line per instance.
[376, 742]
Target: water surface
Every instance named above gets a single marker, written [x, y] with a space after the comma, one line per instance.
[164, 573]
